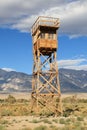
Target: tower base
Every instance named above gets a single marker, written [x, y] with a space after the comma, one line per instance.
[46, 104]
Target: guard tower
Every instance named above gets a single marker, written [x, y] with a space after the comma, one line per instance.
[46, 95]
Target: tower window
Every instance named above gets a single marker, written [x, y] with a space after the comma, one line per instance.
[51, 36]
[42, 35]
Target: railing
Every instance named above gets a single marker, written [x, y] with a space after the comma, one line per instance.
[45, 21]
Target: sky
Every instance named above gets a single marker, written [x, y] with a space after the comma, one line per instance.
[16, 19]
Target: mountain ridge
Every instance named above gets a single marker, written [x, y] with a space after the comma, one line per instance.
[70, 81]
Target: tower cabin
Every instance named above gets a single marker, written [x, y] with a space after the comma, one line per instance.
[44, 33]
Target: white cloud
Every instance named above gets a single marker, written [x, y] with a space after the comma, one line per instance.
[77, 64]
[8, 69]
[20, 14]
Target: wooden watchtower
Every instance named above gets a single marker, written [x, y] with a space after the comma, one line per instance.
[46, 95]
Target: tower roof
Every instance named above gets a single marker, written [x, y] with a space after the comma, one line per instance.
[45, 22]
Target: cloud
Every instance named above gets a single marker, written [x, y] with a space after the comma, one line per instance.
[8, 69]
[21, 14]
[77, 64]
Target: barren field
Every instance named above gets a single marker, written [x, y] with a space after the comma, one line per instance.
[28, 95]
[15, 113]
[37, 123]
[16, 95]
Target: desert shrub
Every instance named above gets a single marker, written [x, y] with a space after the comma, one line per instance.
[68, 121]
[85, 123]
[41, 128]
[6, 112]
[54, 128]
[68, 112]
[22, 101]
[78, 128]
[1, 100]
[77, 124]
[47, 121]
[62, 121]
[55, 120]
[10, 99]
[3, 122]
[68, 127]
[34, 121]
[2, 127]
[79, 118]
[24, 111]
[71, 127]
[71, 99]
[82, 100]
[46, 113]
[38, 121]
[26, 120]
[84, 128]
[73, 119]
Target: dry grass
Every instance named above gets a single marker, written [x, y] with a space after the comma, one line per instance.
[15, 114]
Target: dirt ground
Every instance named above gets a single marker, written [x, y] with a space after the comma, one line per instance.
[17, 95]
[22, 122]
[28, 95]
[78, 95]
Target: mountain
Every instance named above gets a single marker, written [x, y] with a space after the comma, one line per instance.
[70, 81]
[73, 80]
[14, 81]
